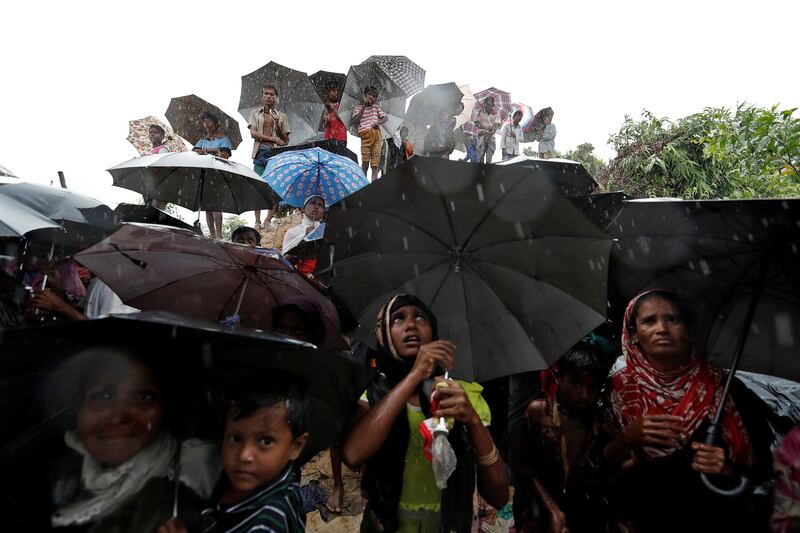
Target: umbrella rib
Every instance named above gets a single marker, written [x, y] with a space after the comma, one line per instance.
[489, 212]
[409, 223]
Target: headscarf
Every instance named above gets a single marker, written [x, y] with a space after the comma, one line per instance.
[383, 477]
[692, 392]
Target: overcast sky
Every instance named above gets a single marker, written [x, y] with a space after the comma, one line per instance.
[74, 73]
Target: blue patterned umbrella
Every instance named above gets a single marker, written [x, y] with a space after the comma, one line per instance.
[296, 175]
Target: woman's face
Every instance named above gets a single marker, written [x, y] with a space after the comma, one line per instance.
[120, 414]
[409, 329]
[661, 331]
[315, 209]
[156, 137]
[209, 125]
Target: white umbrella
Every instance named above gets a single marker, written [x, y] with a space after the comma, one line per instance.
[469, 104]
[196, 182]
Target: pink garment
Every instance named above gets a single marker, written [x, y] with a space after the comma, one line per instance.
[160, 149]
[787, 486]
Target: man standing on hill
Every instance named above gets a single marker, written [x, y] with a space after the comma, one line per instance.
[269, 128]
[547, 146]
[486, 121]
[510, 137]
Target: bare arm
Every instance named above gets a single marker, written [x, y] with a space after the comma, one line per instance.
[558, 521]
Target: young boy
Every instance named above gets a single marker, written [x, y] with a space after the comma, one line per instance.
[369, 116]
[265, 431]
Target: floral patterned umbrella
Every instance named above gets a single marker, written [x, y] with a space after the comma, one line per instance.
[139, 135]
[296, 175]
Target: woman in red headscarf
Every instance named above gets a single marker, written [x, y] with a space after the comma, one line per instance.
[661, 404]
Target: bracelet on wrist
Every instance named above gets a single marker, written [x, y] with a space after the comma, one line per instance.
[490, 458]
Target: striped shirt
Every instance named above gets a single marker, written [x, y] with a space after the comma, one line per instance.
[372, 115]
[276, 507]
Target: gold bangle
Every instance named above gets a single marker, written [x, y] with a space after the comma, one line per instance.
[490, 458]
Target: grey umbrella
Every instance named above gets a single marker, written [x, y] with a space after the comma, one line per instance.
[184, 114]
[424, 106]
[321, 78]
[409, 76]
[297, 97]
[5, 173]
[391, 96]
[17, 219]
[515, 273]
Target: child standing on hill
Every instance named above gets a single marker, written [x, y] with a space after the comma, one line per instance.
[264, 433]
[369, 116]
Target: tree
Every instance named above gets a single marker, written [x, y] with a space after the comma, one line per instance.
[751, 153]
[230, 223]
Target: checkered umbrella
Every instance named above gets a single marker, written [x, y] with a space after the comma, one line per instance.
[391, 96]
[502, 100]
[409, 76]
[139, 135]
[296, 175]
[297, 97]
[184, 114]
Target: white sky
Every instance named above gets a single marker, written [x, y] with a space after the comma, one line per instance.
[74, 73]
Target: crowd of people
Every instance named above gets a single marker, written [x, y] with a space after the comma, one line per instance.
[611, 439]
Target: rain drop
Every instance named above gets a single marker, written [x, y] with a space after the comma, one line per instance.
[405, 243]
[705, 268]
[519, 230]
[452, 206]
[479, 190]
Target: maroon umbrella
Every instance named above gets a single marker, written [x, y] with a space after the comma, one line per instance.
[154, 267]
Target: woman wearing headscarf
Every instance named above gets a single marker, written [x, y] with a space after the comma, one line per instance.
[313, 213]
[400, 485]
[661, 404]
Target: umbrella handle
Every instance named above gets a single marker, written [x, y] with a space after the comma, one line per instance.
[744, 481]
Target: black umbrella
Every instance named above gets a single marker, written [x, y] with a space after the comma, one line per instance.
[571, 176]
[203, 357]
[297, 97]
[147, 214]
[184, 115]
[18, 220]
[514, 272]
[85, 219]
[425, 105]
[739, 260]
[322, 78]
[5, 173]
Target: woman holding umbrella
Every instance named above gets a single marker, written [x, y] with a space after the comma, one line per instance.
[399, 481]
[215, 143]
[661, 404]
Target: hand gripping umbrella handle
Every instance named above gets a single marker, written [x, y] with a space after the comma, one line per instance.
[744, 481]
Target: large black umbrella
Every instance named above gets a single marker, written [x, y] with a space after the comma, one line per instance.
[18, 220]
[85, 219]
[40, 375]
[391, 96]
[322, 78]
[724, 255]
[514, 272]
[184, 115]
[570, 176]
[425, 105]
[149, 215]
[5, 173]
[297, 97]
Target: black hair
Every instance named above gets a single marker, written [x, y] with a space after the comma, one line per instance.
[685, 307]
[270, 86]
[332, 84]
[210, 116]
[517, 112]
[246, 229]
[313, 320]
[584, 357]
[260, 391]
[159, 128]
[371, 89]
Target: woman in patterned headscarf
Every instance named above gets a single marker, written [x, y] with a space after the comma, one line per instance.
[661, 404]
[399, 481]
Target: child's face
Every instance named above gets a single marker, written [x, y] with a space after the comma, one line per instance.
[257, 448]
[579, 392]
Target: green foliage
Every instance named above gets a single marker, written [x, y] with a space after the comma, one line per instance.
[230, 223]
[752, 153]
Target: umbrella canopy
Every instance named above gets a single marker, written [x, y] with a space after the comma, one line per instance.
[147, 214]
[526, 122]
[538, 124]
[139, 135]
[155, 267]
[391, 97]
[502, 100]
[726, 256]
[409, 76]
[202, 359]
[194, 181]
[296, 175]
[297, 97]
[17, 219]
[468, 101]
[424, 105]
[5, 173]
[184, 114]
[320, 80]
[570, 176]
[514, 273]
[85, 219]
